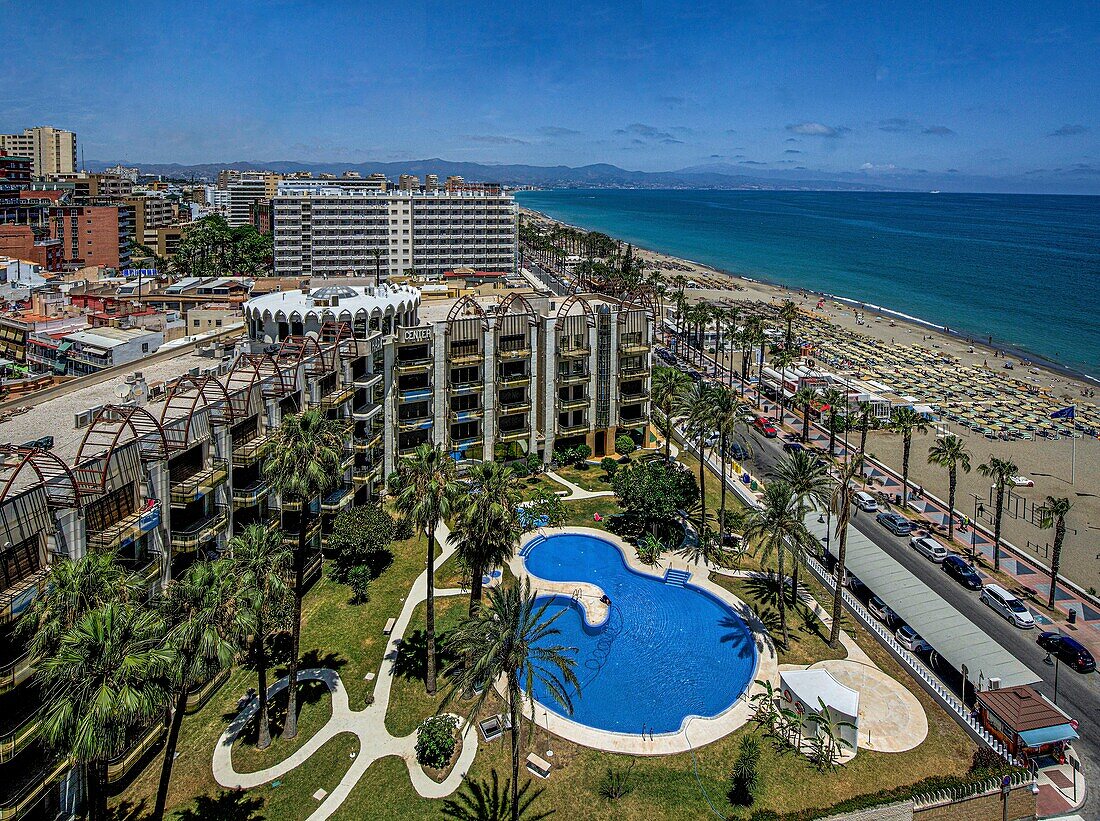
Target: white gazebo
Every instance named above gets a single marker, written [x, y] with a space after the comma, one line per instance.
[803, 691]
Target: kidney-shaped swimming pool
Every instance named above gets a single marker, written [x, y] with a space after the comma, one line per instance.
[667, 650]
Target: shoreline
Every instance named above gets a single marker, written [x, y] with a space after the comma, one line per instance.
[1027, 358]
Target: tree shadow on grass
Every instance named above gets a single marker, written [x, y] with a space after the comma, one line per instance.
[225, 806]
[310, 691]
[412, 659]
[127, 811]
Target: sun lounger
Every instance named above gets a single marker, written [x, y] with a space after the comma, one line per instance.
[538, 766]
[494, 727]
[389, 627]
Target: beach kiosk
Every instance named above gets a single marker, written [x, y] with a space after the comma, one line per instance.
[803, 691]
[1027, 722]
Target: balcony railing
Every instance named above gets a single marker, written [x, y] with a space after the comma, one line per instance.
[514, 353]
[514, 381]
[188, 538]
[465, 357]
[314, 527]
[200, 483]
[338, 397]
[577, 427]
[17, 740]
[27, 797]
[468, 415]
[413, 367]
[573, 376]
[633, 347]
[16, 672]
[250, 452]
[634, 396]
[568, 353]
[337, 500]
[579, 402]
[514, 435]
[460, 388]
[504, 408]
[365, 413]
[18, 597]
[637, 368]
[118, 768]
[250, 494]
[129, 528]
[416, 422]
[368, 380]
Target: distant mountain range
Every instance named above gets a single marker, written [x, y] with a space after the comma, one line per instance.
[599, 175]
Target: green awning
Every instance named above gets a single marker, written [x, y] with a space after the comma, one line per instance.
[64, 346]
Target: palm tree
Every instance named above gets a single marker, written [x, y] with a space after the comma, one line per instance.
[510, 638]
[752, 334]
[1054, 515]
[809, 479]
[76, 587]
[950, 452]
[840, 504]
[107, 676]
[428, 495]
[1001, 472]
[377, 254]
[865, 410]
[706, 547]
[804, 398]
[489, 801]
[726, 413]
[205, 621]
[781, 361]
[906, 421]
[776, 526]
[668, 385]
[696, 405]
[262, 562]
[788, 312]
[487, 529]
[833, 398]
[304, 462]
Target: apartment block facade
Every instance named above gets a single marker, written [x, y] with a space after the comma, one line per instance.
[94, 234]
[325, 230]
[52, 150]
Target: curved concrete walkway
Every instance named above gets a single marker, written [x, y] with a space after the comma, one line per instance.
[577, 492]
[368, 724]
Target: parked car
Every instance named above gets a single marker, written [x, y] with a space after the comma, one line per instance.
[928, 547]
[911, 640]
[738, 452]
[882, 612]
[1007, 606]
[1022, 481]
[895, 523]
[764, 425]
[857, 587]
[793, 447]
[865, 501]
[1068, 649]
[961, 571]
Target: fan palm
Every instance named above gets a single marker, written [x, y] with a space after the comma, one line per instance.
[1054, 515]
[950, 452]
[487, 529]
[262, 561]
[804, 398]
[777, 526]
[833, 398]
[304, 463]
[865, 410]
[76, 587]
[1001, 472]
[809, 479]
[696, 405]
[668, 385]
[788, 312]
[840, 503]
[781, 361]
[429, 493]
[107, 676]
[206, 622]
[906, 421]
[510, 638]
[726, 412]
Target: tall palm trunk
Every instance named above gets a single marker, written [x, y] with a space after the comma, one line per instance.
[702, 485]
[513, 715]
[783, 598]
[429, 620]
[263, 737]
[667, 410]
[951, 505]
[806, 423]
[838, 593]
[906, 444]
[722, 511]
[476, 571]
[997, 525]
[744, 368]
[832, 432]
[290, 726]
[170, 749]
[863, 426]
[1056, 558]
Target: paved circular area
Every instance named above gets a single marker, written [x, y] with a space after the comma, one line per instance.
[891, 718]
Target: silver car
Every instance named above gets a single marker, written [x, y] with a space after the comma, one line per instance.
[929, 548]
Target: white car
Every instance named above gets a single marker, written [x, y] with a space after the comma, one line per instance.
[1007, 606]
[910, 639]
[1022, 481]
[882, 611]
[865, 501]
[929, 548]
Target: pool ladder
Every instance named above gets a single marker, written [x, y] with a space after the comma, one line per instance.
[576, 595]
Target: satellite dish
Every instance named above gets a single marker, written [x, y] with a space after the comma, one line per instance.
[124, 391]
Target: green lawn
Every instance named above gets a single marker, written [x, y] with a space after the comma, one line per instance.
[314, 713]
[533, 484]
[590, 477]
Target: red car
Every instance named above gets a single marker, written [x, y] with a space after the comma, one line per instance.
[764, 425]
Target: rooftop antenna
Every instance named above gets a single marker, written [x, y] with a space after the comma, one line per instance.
[83, 167]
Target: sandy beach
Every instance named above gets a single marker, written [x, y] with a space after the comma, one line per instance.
[1046, 461]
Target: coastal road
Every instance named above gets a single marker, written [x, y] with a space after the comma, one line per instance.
[1078, 694]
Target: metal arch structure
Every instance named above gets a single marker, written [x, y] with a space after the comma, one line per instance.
[190, 394]
[299, 350]
[106, 433]
[647, 298]
[250, 368]
[516, 303]
[56, 477]
[586, 307]
[340, 336]
[462, 304]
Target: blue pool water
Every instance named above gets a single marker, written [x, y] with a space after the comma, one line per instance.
[665, 653]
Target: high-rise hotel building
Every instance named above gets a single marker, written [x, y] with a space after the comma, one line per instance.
[323, 229]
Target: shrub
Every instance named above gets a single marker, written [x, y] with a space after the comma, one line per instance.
[745, 778]
[358, 579]
[625, 444]
[534, 464]
[360, 538]
[546, 509]
[609, 466]
[435, 741]
[519, 468]
[581, 454]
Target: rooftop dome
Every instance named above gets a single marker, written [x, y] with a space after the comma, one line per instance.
[339, 291]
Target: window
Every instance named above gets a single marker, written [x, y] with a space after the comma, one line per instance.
[19, 562]
[145, 347]
[217, 323]
[196, 323]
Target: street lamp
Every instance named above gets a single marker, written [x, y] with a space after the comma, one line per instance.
[1053, 660]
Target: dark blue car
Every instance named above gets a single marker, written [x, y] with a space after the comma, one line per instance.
[960, 570]
[1068, 649]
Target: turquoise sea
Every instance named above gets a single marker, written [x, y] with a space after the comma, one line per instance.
[1023, 269]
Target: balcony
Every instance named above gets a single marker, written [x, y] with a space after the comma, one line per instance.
[33, 790]
[573, 428]
[570, 353]
[19, 596]
[250, 452]
[189, 537]
[462, 388]
[579, 402]
[337, 499]
[514, 380]
[312, 529]
[633, 347]
[250, 494]
[119, 768]
[368, 380]
[514, 435]
[200, 483]
[18, 739]
[465, 357]
[513, 352]
[520, 406]
[469, 415]
[126, 530]
[348, 461]
[640, 367]
[635, 395]
[418, 422]
[413, 366]
[337, 397]
[365, 413]
[16, 672]
[573, 376]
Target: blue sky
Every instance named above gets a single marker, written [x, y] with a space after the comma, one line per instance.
[985, 95]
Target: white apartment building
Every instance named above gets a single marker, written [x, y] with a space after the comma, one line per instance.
[52, 150]
[326, 230]
[241, 194]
